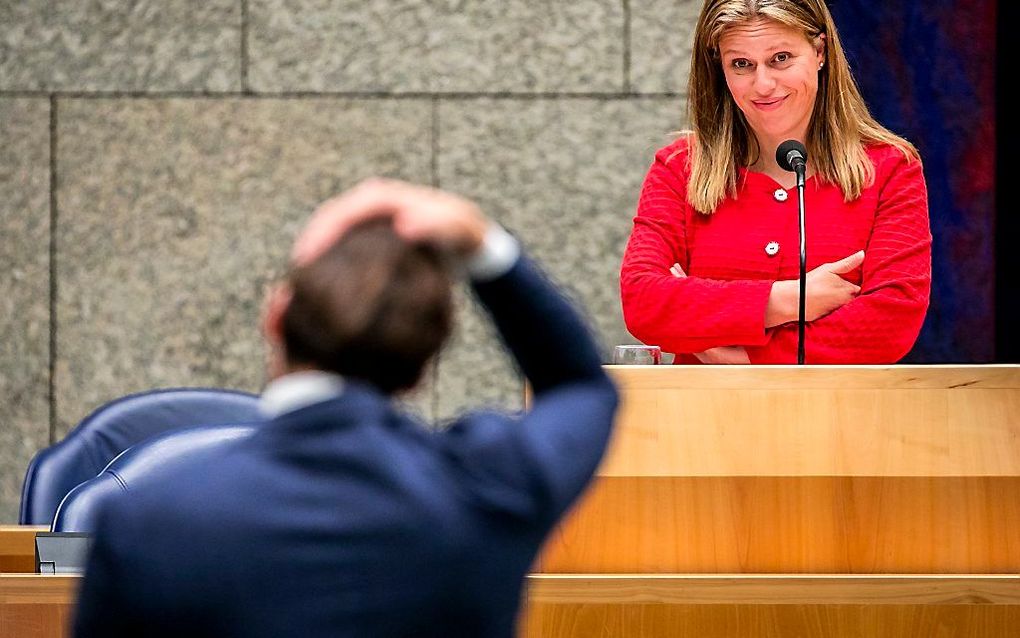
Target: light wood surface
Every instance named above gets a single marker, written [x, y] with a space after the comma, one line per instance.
[813, 377]
[17, 548]
[791, 524]
[37, 606]
[769, 589]
[819, 501]
[772, 621]
[38, 589]
[674, 605]
[770, 606]
[859, 469]
[816, 421]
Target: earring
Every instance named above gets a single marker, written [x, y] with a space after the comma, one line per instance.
[821, 64]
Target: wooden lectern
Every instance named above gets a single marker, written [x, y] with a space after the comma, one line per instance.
[765, 501]
[759, 502]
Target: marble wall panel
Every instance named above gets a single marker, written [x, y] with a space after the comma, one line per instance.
[143, 45]
[24, 291]
[175, 214]
[564, 175]
[422, 45]
[661, 35]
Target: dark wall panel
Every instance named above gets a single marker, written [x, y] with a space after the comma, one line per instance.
[927, 70]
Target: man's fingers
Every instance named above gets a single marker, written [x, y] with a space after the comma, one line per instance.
[419, 213]
[375, 197]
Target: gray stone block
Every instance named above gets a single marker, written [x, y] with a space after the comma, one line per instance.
[144, 45]
[661, 35]
[420, 401]
[415, 45]
[475, 371]
[24, 291]
[564, 175]
[175, 214]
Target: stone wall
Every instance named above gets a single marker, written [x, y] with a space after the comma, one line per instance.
[157, 158]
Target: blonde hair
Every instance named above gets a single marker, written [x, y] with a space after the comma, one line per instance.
[722, 140]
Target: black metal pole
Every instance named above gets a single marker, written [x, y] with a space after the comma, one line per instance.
[803, 268]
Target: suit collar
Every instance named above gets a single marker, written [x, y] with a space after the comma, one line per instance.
[299, 390]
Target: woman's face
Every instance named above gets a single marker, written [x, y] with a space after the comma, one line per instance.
[772, 73]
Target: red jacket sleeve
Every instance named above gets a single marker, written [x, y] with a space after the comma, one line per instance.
[690, 314]
[882, 323]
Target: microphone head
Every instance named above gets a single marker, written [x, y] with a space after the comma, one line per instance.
[788, 154]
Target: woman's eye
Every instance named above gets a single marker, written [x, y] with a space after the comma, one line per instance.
[741, 63]
[782, 57]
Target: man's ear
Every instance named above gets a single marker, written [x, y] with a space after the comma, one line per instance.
[273, 311]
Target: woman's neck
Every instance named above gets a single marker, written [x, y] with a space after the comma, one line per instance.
[766, 162]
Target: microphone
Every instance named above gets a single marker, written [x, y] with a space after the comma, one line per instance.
[792, 156]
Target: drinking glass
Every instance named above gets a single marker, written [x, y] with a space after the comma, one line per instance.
[637, 355]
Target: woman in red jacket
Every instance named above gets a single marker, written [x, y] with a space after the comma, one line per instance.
[711, 268]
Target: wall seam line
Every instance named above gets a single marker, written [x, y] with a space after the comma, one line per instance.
[626, 46]
[434, 168]
[245, 89]
[53, 272]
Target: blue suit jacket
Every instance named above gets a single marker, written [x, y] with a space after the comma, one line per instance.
[348, 518]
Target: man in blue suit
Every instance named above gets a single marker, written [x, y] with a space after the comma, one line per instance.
[343, 516]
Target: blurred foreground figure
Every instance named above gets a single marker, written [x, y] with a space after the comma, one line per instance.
[343, 516]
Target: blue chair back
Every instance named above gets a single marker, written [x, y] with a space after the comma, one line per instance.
[77, 512]
[116, 426]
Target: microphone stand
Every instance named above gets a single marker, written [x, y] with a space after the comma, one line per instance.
[800, 169]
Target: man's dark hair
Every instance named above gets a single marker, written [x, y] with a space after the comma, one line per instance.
[373, 307]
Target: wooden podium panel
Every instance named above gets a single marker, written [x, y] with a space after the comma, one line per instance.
[31, 605]
[37, 606]
[898, 484]
[906, 469]
[767, 606]
[17, 548]
[854, 525]
[776, 621]
[759, 502]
